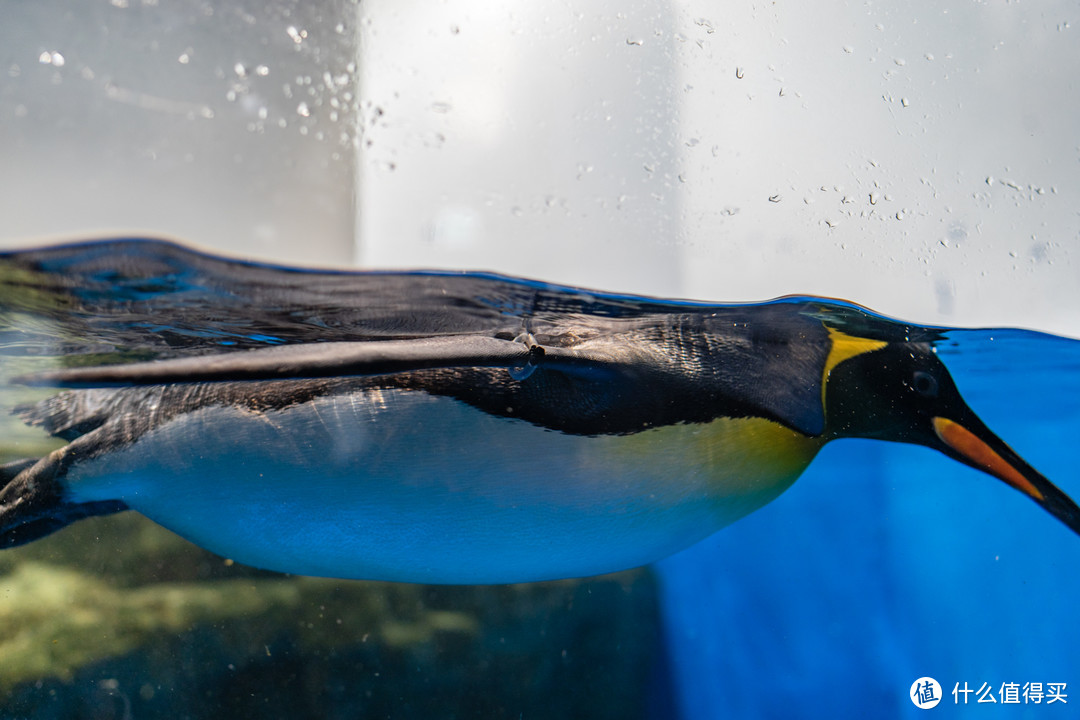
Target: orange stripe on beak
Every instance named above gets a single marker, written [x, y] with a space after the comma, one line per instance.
[965, 442]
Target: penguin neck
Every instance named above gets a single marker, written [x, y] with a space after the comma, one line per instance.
[751, 461]
[841, 347]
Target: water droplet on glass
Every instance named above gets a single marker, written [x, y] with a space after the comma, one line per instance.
[901, 62]
[774, 198]
[240, 70]
[296, 35]
[302, 110]
[634, 41]
[262, 70]
[848, 49]
[929, 56]
[899, 214]
[184, 59]
[440, 107]
[692, 142]
[51, 58]
[904, 102]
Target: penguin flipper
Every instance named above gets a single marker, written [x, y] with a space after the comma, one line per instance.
[303, 361]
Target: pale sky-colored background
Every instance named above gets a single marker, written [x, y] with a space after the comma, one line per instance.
[920, 158]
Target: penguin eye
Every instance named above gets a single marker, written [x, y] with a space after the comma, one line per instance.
[925, 384]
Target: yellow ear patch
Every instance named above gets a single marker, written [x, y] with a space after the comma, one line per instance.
[844, 347]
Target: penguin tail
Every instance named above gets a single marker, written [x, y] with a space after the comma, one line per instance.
[32, 503]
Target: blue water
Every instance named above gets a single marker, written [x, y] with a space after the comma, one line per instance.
[886, 563]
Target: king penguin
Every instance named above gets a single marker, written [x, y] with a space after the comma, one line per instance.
[446, 427]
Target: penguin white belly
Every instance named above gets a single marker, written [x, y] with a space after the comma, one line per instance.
[405, 486]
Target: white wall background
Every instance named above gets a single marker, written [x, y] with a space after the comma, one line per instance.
[921, 158]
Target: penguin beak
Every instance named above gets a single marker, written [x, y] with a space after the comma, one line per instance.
[973, 444]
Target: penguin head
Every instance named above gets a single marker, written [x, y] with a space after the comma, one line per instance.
[902, 392]
[892, 392]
